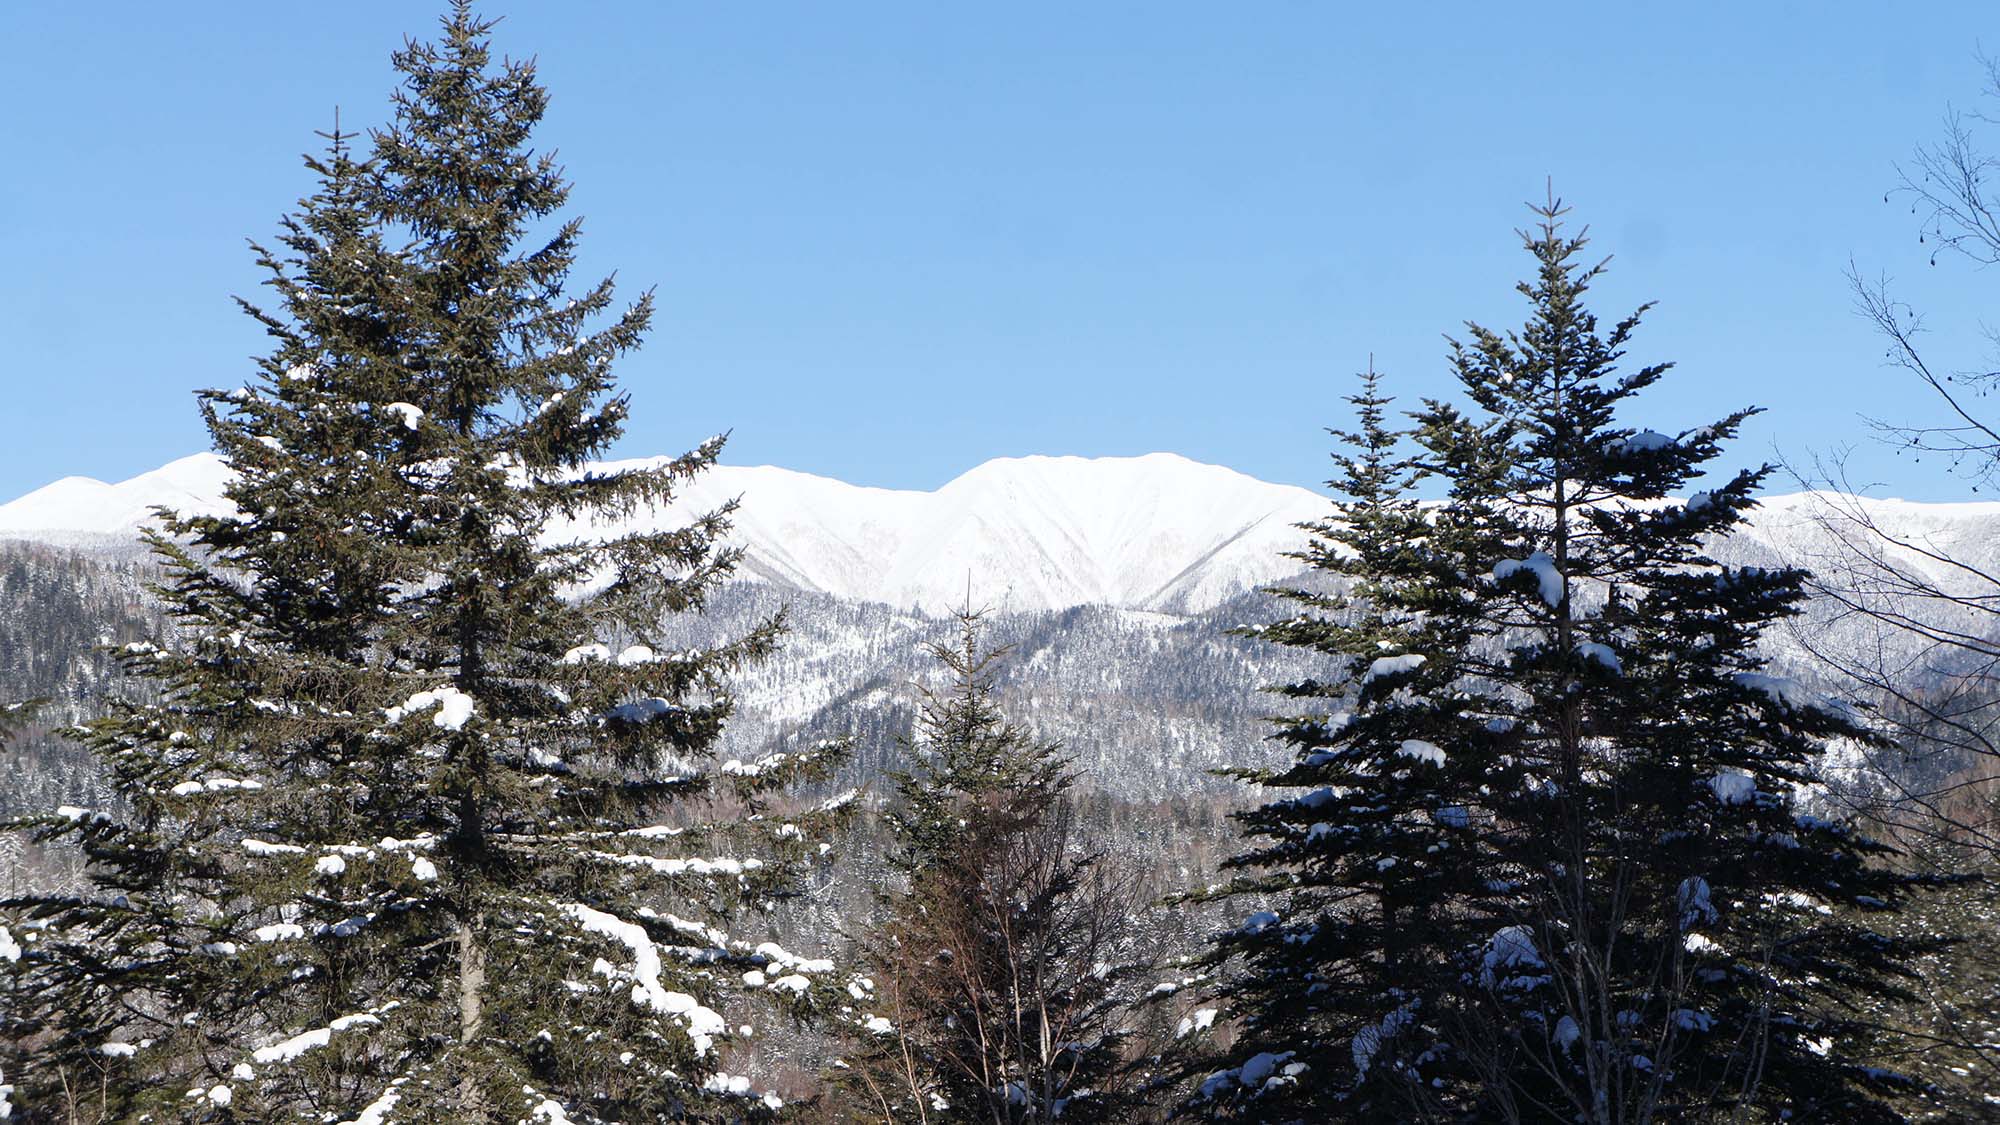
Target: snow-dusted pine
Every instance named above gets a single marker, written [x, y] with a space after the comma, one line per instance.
[1548, 854]
[421, 819]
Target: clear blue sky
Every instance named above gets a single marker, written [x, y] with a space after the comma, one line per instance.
[893, 240]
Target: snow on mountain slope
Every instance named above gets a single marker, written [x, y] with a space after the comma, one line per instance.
[80, 505]
[1158, 533]
[1155, 532]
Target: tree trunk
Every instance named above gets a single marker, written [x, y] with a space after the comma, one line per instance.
[471, 988]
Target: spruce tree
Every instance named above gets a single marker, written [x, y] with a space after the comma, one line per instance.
[425, 823]
[1551, 858]
[998, 968]
[1378, 859]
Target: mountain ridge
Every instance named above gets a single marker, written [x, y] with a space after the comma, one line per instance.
[1158, 532]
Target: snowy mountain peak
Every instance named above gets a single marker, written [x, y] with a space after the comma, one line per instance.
[1156, 532]
[83, 506]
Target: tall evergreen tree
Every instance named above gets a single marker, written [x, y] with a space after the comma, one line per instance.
[1550, 860]
[1378, 861]
[424, 819]
[1000, 990]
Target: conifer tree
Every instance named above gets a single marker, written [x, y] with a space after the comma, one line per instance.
[999, 996]
[424, 824]
[1549, 858]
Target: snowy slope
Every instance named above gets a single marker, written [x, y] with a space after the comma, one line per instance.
[1158, 533]
[82, 506]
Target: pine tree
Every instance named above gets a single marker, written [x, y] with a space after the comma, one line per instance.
[1377, 861]
[1551, 859]
[999, 993]
[424, 818]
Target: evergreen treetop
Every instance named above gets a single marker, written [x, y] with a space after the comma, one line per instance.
[1550, 853]
[1001, 966]
[426, 817]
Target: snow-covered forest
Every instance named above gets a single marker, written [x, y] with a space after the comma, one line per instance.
[405, 758]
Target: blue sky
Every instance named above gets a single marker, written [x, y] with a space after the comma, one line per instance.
[891, 241]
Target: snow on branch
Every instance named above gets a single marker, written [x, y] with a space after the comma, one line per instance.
[703, 1024]
[1542, 567]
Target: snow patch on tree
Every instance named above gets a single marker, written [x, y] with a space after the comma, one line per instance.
[1548, 580]
[1602, 654]
[1422, 751]
[1733, 787]
[702, 1023]
[1384, 666]
[454, 707]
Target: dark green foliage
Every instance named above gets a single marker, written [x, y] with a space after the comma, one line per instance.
[967, 753]
[1548, 858]
[999, 990]
[425, 814]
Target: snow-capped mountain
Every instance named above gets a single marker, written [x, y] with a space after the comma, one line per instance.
[1158, 532]
[1115, 580]
[79, 507]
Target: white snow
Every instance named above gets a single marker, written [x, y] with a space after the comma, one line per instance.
[377, 1111]
[330, 866]
[1542, 567]
[1732, 787]
[1689, 1019]
[10, 950]
[1369, 1040]
[1158, 532]
[674, 865]
[1567, 1032]
[583, 653]
[1695, 905]
[1510, 948]
[778, 956]
[703, 1024]
[1199, 1020]
[1392, 666]
[642, 710]
[454, 707]
[1591, 650]
[1260, 1067]
[290, 1049]
[1644, 441]
[411, 414]
[423, 870]
[1422, 751]
[1778, 689]
[551, 1111]
[213, 785]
